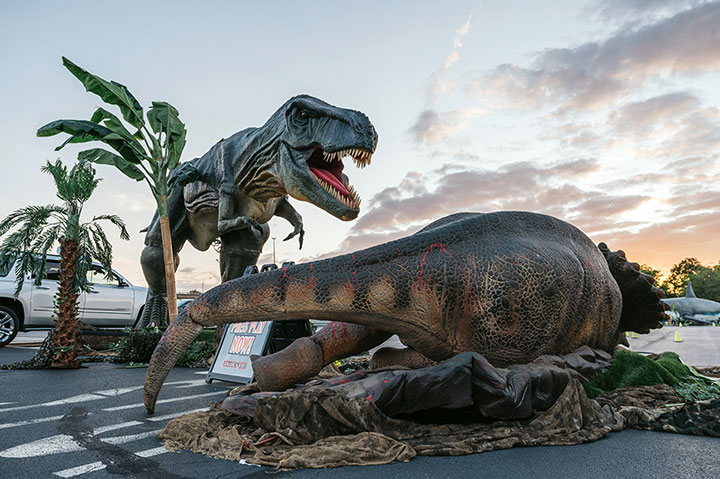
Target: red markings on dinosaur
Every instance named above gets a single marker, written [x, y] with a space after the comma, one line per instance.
[338, 329]
[396, 248]
[441, 247]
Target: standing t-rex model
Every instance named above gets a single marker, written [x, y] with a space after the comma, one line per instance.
[509, 285]
[246, 179]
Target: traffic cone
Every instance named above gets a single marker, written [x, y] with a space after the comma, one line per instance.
[678, 339]
[680, 325]
[634, 335]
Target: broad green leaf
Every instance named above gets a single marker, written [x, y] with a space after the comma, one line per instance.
[163, 117]
[88, 131]
[110, 92]
[104, 157]
[113, 123]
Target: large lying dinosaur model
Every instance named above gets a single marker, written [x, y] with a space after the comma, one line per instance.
[509, 285]
[246, 179]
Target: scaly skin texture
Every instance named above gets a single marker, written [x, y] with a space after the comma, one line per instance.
[509, 285]
[248, 178]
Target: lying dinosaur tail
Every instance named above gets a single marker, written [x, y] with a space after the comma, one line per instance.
[642, 309]
[176, 339]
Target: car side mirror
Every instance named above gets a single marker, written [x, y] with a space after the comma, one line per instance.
[122, 283]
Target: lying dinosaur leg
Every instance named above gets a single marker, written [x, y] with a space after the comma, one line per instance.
[408, 357]
[305, 357]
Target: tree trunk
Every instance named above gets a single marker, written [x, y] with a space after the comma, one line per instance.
[66, 333]
[169, 263]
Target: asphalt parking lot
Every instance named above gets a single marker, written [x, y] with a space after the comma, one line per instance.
[90, 423]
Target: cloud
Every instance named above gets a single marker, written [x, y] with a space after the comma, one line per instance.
[667, 126]
[629, 11]
[464, 29]
[590, 75]
[432, 126]
[681, 196]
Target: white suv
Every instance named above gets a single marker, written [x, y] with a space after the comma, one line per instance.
[113, 302]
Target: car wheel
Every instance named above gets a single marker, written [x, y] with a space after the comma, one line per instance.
[9, 325]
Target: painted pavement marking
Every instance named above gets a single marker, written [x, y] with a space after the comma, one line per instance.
[163, 401]
[97, 395]
[98, 466]
[175, 414]
[29, 421]
[63, 443]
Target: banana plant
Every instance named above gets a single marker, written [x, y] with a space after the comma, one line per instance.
[146, 148]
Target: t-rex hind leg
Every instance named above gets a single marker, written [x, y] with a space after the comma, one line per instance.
[238, 250]
[153, 265]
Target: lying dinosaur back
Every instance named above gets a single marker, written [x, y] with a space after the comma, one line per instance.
[510, 285]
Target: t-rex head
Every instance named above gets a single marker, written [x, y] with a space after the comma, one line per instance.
[316, 139]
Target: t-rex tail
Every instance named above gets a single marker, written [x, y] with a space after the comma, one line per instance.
[642, 309]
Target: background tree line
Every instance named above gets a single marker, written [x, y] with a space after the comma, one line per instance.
[705, 279]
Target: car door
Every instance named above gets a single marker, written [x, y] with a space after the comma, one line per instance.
[43, 296]
[109, 302]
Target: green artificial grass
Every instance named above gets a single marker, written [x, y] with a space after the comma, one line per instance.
[633, 369]
[139, 345]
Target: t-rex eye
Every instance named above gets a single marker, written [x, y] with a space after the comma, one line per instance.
[303, 114]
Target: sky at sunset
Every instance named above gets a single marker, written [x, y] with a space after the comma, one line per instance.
[605, 113]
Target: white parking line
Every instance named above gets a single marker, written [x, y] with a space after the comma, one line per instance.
[57, 444]
[28, 422]
[98, 466]
[62, 444]
[176, 414]
[70, 400]
[182, 398]
[97, 395]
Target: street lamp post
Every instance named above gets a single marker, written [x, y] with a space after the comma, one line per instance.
[274, 262]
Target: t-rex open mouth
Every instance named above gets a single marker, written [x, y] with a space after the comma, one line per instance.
[328, 171]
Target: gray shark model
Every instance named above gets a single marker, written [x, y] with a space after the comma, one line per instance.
[690, 307]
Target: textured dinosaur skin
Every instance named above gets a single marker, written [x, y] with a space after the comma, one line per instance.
[509, 285]
[247, 178]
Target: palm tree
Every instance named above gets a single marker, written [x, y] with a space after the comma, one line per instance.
[142, 154]
[38, 228]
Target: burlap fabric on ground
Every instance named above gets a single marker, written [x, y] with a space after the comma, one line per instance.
[659, 408]
[343, 421]
[322, 428]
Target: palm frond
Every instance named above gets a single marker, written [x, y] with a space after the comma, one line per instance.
[27, 263]
[83, 263]
[102, 247]
[29, 214]
[59, 173]
[117, 221]
[82, 181]
[44, 241]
